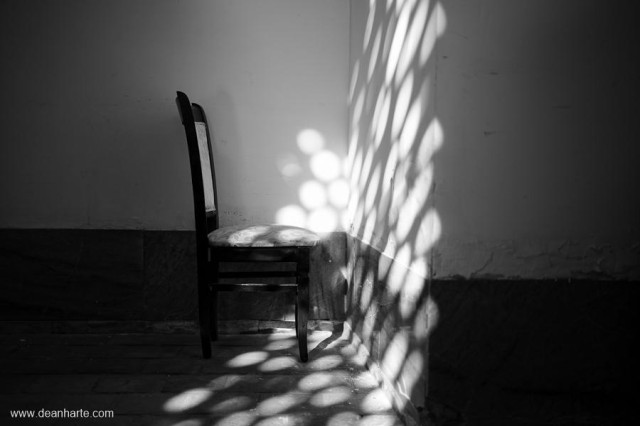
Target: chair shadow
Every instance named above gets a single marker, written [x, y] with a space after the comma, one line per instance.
[335, 335]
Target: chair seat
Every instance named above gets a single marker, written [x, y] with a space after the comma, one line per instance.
[262, 236]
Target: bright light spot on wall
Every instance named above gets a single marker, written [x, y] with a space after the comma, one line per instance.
[187, 400]
[409, 212]
[413, 287]
[430, 143]
[339, 193]
[414, 37]
[390, 168]
[325, 165]
[381, 125]
[313, 195]
[358, 108]
[345, 220]
[441, 18]
[382, 94]
[426, 319]
[392, 148]
[412, 371]
[369, 27]
[402, 106]
[396, 45]
[438, 134]
[372, 191]
[367, 163]
[369, 227]
[375, 51]
[431, 230]
[323, 219]
[356, 168]
[369, 322]
[376, 401]
[409, 133]
[367, 291]
[394, 356]
[291, 215]
[354, 80]
[389, 4]
[310, 141]
[435, 28]
[289, 166]
[403, 259]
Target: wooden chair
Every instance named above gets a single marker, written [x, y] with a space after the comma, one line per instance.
[259, 244]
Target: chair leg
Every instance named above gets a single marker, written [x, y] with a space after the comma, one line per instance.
[204, 316]
[214, 301]
[302, 304]
[296, 316]
[213, 320]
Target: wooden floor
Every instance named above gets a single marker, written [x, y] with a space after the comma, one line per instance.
[161, 379]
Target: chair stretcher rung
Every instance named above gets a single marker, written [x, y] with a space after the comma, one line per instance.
[263, 274]
[255, 287]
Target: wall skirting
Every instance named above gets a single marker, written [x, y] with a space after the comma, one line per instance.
[136, 276]
[497, 349]
[158, 327]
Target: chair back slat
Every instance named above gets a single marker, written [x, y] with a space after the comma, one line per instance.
[202, 167]
[204, 148]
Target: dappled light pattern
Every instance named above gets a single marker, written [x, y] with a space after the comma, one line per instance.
[250, 384]
[262, 236]
[323, 190]
[394, 135]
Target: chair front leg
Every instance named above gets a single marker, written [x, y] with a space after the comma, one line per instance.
[302, 303]
[296, 315]
[213, 270]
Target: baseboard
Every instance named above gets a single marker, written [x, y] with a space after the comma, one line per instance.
[139, 277]
[401, 405]
[162, 327]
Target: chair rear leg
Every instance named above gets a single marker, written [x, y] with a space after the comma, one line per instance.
[204, 317]
[302, 304]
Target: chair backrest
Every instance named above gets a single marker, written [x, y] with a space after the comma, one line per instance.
[203, 178]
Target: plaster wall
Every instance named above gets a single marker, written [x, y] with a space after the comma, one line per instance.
[395, 135]
[537, 174]
[90, 132]
[495, 139]
[493, 206]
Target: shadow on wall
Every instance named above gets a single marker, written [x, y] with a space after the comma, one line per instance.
[394, 136]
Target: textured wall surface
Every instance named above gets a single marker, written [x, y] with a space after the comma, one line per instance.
[533, 352]
[395, 134]
[392, 327]
[537, 174]
[495, 220]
